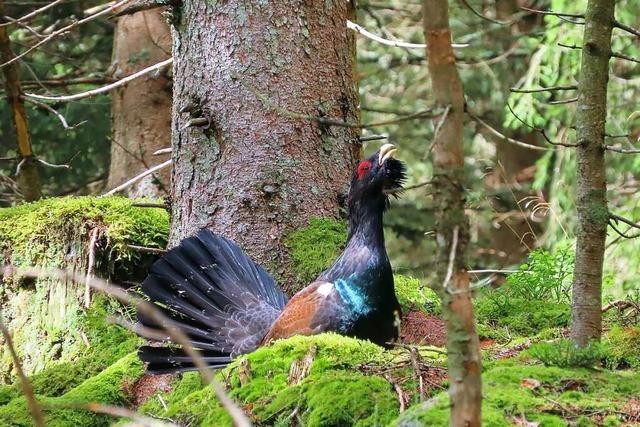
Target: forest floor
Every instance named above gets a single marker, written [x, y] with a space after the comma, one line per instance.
[532, 375]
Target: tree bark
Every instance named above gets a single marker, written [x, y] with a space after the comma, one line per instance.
[28, 178]
[244, 165]
[141, 110]
[464, 363]
[591, 203]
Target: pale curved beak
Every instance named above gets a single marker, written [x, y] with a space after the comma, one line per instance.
[386, 152]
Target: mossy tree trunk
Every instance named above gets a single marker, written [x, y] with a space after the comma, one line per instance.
[591, 203]
[140, 110]
[28, 176]
[464, 364]
[243, 165]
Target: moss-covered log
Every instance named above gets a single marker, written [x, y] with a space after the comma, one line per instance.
[48, 318]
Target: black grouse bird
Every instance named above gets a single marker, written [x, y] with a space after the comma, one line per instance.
[227, 305]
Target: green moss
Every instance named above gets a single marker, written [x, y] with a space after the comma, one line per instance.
[564, 353]
[315, 247]
[30, 230]
[506, 398]
[108, 387]
[412, 295]
[107, 344]
[46, 316]
[522, 316]
[334, 392]
[622, 347]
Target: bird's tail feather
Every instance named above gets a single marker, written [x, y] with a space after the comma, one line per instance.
[210, 289]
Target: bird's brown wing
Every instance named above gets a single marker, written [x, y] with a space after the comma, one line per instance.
[309, 312]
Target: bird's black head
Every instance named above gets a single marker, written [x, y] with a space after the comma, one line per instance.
[378, 176]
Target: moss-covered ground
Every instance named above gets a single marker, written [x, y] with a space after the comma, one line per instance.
[344, 381]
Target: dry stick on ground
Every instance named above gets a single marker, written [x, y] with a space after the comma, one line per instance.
[64, 30]
[176, 335]
[591, 188]
[25, 385]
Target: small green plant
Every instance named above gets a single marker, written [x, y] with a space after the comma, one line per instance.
[534, 298]
[622, 348]
[565, 353]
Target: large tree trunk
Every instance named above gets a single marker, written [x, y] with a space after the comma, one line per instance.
[28, 178]
[244, 164]
[591, 203]
[141, 110]
[464, 363]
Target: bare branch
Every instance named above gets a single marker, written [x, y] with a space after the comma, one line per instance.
[622, 150]
[25, 385]
[103, 89]
[563, 101]
[142, 5]
[504, 137]
[25, 26]
[138, 178]
[162, 151]
[539, 130]
[466, 4]
[52, 165]
[620, 25]
[148, 250]
[64, 30]
[544, 89]
[625, 57]
[373, 138]
[30, 15]
[625, 220]
[359, 29]
[50, 109]
[548, 12]
[621, 233]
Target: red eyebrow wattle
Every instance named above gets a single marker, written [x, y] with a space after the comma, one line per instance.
[362, 168]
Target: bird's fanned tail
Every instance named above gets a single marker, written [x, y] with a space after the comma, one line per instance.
[216, 295]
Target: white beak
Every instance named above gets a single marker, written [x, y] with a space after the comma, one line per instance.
[386, 151]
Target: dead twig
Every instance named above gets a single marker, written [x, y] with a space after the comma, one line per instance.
[50, 109]
[544, 89]
[93, 242]
[147, 250]
[103, 89]
[137, 178]
[62, 31]
[33, 14]
[25, 385]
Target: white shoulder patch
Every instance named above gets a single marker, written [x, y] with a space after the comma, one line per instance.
[325, 289]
